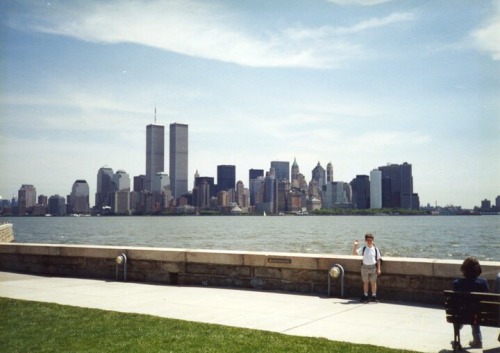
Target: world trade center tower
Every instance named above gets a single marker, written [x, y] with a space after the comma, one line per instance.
[155, 153]
[178, 159]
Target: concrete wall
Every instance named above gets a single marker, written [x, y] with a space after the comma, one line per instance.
[405, 279]
[6, 233]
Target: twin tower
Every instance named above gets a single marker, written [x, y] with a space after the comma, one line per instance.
[155, 156]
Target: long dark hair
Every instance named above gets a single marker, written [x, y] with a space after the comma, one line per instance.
[471, 268]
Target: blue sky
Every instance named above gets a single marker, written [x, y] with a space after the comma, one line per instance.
[356, 83]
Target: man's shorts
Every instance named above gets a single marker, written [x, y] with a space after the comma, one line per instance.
[369, 273]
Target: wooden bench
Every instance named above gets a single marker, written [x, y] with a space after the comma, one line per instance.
[464, 308]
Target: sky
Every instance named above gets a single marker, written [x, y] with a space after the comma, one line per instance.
[358, 83]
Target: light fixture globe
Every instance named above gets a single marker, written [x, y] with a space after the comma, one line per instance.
[335, 272]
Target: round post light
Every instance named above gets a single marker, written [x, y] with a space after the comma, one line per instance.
[121, 260]
[336, 271]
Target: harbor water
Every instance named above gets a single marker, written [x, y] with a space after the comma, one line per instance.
[436, 237]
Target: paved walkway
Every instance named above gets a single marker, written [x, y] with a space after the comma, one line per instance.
[395, 325]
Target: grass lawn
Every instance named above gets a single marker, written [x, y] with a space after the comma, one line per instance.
[42, 327]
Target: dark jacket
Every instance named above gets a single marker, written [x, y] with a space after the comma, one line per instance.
[479, 284]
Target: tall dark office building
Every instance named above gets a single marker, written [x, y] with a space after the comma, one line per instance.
[57, 205]
[226, 177]
[178, 159]
[361, 191]
[203, 190]
[281, 170]
[206, 180]
[255, 173]
[253, 184]
[139, 183]
[155, 153]
[397, 187]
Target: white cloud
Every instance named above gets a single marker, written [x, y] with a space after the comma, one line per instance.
[205, 30]
[373, 23]
[487, 37]
[300, 33]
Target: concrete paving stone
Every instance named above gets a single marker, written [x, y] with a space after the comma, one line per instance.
[396, 325]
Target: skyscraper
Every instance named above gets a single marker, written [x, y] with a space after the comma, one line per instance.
[269, 192]
[178, 159]
[319, 175]
[79, 198]
[295, 171]
[335, 195]
[139, 183]
[104, 187]
[329, 172]
[57, 205]
[281, 170]
[201, 192]
[155, 153]
[226, 177]
[27, 199]
[206, 180]
[120, 202]
[361, 191]
[375, 189]
[121, 181]
[160, 182]
[253, 175]
[397, 187]
[242, 196]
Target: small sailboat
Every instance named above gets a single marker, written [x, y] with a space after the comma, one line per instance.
[264, 214]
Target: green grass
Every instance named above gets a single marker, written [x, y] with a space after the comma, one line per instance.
[41, 327]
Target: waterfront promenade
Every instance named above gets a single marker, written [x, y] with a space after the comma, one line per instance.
[390, 324]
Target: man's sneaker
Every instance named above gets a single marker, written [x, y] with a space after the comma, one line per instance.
[364, 299]
[375, 299]
[476, 344]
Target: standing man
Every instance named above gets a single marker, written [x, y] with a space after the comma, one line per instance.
[370, 268]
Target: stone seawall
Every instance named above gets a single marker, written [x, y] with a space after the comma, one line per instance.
[404, 279]
[6, 233]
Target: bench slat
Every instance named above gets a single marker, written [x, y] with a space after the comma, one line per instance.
[490, 313]
[463, 308]
[472, 308]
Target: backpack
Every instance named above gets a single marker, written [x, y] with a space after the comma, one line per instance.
[377, 251]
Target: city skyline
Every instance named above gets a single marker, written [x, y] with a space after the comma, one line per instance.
[359, 84]
[389, 186]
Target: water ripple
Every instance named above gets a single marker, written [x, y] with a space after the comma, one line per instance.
[438, 237]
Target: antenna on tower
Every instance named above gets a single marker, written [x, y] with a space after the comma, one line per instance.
[155, 114]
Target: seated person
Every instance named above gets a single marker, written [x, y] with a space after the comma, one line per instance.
[471, 270]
